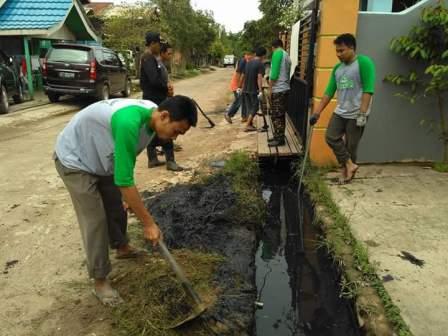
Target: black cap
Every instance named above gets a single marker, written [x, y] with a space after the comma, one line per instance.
[152, 37]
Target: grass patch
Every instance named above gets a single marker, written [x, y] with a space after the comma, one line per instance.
[244, 174]
[441, 167]
[155, 299]
[359, 275]
[186, 74]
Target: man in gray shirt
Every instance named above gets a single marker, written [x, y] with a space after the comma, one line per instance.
[279, 90]
[354, 81]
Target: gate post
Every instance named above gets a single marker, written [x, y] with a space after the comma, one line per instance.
[336, 17]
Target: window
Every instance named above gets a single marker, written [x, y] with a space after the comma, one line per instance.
[111, 59]
[69, 55]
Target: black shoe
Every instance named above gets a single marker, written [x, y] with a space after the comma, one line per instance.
[173, 166]
[276, 143]
[154, 163]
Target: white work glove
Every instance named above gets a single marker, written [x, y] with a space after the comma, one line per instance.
[239, 91]
[361, 120]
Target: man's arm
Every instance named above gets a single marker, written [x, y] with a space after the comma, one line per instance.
[328, 95]
[260, 82]
[365, 102]
[125, 131]
[276, 64]
[367, 72]
[150, 67]
[134, 201]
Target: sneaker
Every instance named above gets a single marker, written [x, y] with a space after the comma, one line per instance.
[250, 129]
[227, 118]
[173, 166]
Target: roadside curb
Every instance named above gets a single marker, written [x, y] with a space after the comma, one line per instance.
[376, 313]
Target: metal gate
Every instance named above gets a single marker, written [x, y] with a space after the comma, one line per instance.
[302, 80]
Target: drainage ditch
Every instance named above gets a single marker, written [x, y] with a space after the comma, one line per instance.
[297, 284]
[242, 248]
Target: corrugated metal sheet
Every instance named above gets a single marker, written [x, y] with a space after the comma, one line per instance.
[33, 14]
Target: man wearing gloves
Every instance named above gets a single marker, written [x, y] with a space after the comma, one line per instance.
[252, 83]
[354, 81]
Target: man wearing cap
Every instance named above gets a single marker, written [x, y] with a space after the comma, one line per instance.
[156, 88]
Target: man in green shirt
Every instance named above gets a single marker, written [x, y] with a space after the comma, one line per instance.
[95, 156]
[279, 88]
[354, 81]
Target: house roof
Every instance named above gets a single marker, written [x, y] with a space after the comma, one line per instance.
[44, 18]
[98, 7]
[33, 14]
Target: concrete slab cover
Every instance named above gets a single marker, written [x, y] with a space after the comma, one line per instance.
[395, 208]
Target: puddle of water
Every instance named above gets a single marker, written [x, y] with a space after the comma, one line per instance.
[296, 284]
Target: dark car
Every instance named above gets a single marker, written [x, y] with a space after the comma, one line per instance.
[83, 70]
[10, 83]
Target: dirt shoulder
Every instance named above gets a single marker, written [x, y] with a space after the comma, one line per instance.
[398, 212]
[44, 289]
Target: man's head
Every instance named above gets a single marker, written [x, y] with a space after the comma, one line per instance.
[166, 52]
[345, 47]
[260, 52]
[248, 55]
[277, 43]
[176, 115]
[152, 40]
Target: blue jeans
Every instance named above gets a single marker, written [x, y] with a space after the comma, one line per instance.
[235, 106]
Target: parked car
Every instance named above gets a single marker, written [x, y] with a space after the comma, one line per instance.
[83, 70]
[229, 60]
[10, 82]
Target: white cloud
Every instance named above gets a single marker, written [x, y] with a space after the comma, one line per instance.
[230, 13]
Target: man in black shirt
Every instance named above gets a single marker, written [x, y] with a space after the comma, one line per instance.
[253, 86]
[156, 87]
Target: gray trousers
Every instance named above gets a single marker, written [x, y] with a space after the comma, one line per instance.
[343, 137]
[101, 217]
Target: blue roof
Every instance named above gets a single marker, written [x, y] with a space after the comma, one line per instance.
[33, 14]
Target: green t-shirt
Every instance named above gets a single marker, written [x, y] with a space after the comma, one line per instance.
[127, 124]
[351, 81]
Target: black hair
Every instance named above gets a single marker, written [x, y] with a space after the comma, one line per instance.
[277, 43]
[164, 47]
[180, 108]
[347, 39]
[260, 51]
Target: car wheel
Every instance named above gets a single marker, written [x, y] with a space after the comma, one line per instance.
[53, 97]
[4, 105]
[127, 89]
[18, 98]
[105, 93]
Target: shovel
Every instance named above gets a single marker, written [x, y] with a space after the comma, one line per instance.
[199, 306]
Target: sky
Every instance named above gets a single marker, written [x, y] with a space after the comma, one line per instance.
[230, 13]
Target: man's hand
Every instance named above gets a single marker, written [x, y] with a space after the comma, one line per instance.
[361, 120]
[239, 91]
[152, 233]
[170, 90]
[260, 96]
[314, 118]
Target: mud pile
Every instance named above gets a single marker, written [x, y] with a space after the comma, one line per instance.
[211, 228]
[204, 217]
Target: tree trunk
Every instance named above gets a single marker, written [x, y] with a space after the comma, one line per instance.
[443, 124]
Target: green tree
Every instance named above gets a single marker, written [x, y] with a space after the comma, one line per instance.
[127, 29]
[278, 16]
[427, 45]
